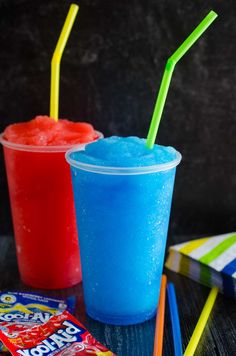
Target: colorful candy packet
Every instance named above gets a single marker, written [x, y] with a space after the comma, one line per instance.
[61, 335]
[20, 311]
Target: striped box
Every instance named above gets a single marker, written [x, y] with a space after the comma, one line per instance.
[210, 261]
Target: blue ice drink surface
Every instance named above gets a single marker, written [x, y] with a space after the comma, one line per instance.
[122, 193]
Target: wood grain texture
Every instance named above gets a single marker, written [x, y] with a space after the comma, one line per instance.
[219, 338]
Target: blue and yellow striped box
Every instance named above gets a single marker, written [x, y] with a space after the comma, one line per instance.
[210, 261]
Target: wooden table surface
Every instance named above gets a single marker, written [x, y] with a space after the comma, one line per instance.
[219, 338]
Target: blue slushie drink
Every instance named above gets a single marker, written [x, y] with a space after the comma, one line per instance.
[122, 192]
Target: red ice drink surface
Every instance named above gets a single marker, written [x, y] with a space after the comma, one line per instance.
[42, 201]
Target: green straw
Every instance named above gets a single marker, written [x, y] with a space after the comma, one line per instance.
[169, 68]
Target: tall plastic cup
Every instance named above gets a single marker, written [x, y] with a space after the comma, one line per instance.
[43, 214]
[122, 216]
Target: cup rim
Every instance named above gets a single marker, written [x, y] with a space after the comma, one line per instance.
[120, 170]
[47, 149]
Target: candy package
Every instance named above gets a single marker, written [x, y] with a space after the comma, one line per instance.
[61, 335]
[20, 311]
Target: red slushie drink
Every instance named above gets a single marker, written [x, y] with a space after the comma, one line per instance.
[42, 201]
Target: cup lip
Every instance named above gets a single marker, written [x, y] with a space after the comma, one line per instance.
[120, 170]
[46, 149]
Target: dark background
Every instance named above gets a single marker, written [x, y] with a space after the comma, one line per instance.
[110, 75]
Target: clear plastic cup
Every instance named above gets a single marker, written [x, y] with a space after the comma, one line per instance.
[43, 214]
[122, 217]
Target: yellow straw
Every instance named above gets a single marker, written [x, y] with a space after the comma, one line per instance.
[193, 343]
[56, 60]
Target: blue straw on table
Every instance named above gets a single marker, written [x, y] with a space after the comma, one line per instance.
[174, 315]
